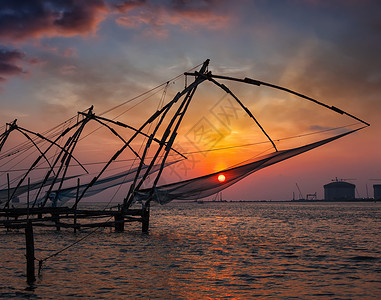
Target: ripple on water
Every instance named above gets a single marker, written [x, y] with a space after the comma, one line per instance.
[219, 250]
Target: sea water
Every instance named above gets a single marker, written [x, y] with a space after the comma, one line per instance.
[209, 251]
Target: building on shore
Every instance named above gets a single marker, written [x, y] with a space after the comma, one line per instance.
[377, 191]
[339, 190]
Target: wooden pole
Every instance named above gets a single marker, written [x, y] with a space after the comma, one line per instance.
[56, 218]
[9, 197]
[119, 222]
[31, 278]
[75, 206]
[9, 190]
[145, 217]
[27, 200]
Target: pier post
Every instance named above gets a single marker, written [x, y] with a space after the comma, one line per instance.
[75, 219]
[27, 200]
[75, 206]
[56, 218]
[29, 253]
[145, 218]
[119, 222]
[9, 191]
[39, 215]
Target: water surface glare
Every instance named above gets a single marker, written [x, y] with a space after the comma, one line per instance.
[210, 251]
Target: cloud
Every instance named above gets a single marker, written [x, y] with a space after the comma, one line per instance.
[70, 52]
[24, 19]
[126, 6]
[155, 16]
[68, 69]
[9, 63]
[344, 69]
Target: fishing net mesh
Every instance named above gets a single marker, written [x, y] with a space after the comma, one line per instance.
[210, 184]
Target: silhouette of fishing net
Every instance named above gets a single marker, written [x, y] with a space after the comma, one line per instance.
[64, 195]
[207, 185]
[4, 193]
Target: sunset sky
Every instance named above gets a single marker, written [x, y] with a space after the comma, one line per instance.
[58, 57]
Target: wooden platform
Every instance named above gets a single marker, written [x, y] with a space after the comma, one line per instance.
[65, 217]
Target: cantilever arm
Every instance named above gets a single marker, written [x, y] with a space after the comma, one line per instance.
[258, 83]
[53, 143]
[227, 90]
[117, 135]
[121, 124]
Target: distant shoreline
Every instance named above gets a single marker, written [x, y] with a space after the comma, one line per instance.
[298, 201]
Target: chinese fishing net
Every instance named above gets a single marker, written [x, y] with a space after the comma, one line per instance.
[66, 194]
[205, 186]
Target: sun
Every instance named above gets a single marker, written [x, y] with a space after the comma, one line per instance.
[221, 178]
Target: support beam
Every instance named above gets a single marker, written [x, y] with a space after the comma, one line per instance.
[56, 218]
[119, 222]
[30, 270]
[145, 218]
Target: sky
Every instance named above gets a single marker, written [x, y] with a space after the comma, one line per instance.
[58, 57]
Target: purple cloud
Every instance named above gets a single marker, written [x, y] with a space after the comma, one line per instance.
[22, 19]
[9, 63]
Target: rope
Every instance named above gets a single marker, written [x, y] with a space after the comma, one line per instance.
[40, 261]
[202, 151]
[164, 86]
[134, 98]
[266, 142]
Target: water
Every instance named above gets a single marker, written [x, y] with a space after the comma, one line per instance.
[210, 251]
